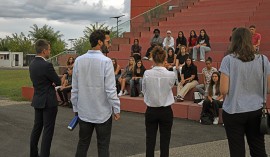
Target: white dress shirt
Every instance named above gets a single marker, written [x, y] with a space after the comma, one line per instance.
[93, 93]
[157, 87]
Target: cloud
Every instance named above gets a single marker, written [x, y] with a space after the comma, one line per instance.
[70, 17]
[63, 10]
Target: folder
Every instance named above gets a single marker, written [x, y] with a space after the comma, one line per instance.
[73, 123]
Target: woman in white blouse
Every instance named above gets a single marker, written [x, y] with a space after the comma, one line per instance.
[157, 87]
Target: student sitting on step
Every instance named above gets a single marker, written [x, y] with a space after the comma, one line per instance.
[137, 79]
[189, 79]
[170, 59]
[203, 45]
[136, 50]
[180, 62]
[117, 73]
[207, 74]
[180, 41]
[65, 88]
[126, 76]
[214, 100]
[192, 41]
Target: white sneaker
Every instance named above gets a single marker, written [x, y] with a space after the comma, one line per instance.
[202, 60]
[125, 92]
[120, 93]
[215, 120]
[200, 103]
[145, 58]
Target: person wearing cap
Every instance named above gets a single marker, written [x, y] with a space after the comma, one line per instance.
[168, 41]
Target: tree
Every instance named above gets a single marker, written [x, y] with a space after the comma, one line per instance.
[82, 45]
[48, 33]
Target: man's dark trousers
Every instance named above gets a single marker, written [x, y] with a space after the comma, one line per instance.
[43, 118]
[103, 132]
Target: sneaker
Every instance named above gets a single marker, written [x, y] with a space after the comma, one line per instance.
[120, 93]
[145, 58]
[200, 103]
[179, 98]
[215, 120]
[125, 92]
[141, 95]
[200, 121]
[202, 60]
[193, 60]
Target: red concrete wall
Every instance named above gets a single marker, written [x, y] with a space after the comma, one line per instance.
[140, 6]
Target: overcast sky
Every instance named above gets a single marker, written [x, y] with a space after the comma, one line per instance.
[68, 16]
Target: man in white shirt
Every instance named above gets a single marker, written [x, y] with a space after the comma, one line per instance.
[94, 96]
[168, 41]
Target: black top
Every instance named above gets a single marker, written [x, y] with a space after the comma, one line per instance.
[181, 58]
[170, 59]
[188, 71]
[140, 74]
[43, 76]
[204, 40]
[181, 41]
[136, 49]
[69, 79]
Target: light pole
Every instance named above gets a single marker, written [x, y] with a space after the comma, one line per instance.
[71, 42]
[117, 21]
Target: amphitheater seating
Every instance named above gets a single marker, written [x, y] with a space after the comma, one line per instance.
[216, 17]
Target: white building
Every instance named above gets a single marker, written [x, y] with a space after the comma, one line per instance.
[11, 59]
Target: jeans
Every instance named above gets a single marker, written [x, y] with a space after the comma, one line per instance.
[240, 124]
[135, 82]
[202, 49]
[162, 118]
[103, 132]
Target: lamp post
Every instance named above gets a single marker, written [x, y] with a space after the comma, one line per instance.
[117, 21]
[71, 42]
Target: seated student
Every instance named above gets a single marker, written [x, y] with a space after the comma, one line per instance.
[180, 62]
[256, 38]
[203, 45]
[192, 41]
[136, 50]
[214, 100]
[137, 76]
[70, 63]
[148, 52]
[117, 72]
[207, 73]
[168, 41]
[189, 79]
[65, 88]
[181, 40]
[170, 59]
[126, 76]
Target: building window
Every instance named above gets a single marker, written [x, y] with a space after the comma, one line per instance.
[6, 57]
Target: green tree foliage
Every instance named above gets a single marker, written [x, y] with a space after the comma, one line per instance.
[48, 33]
[82, 45]
[17, 43]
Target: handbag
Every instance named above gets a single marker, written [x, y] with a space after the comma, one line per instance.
[265, 123]
[198, 97]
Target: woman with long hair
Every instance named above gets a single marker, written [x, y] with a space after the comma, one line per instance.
[157, 87]
[192, 41]
[207, 75]
[170, 59]
[137, 76]
[181, 40]
[117, 73]
[189, 79]
[214, 100]
[241, 84]
[126, 76]
[136, 50]
[203, 45]
[180, 62]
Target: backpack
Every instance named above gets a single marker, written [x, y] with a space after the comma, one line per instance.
[207, 118]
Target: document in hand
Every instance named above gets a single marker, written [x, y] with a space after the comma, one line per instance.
[73, 123]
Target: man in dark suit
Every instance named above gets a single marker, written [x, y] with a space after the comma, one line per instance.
[44, 79]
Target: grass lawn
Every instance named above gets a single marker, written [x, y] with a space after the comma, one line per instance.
[11, 82]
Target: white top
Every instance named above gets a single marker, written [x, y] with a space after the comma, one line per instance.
[93, 93]
[157, 87]
[168, 41]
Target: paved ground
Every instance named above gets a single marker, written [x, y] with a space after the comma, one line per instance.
[189, 138]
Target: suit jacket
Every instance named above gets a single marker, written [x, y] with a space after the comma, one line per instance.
[43, 75]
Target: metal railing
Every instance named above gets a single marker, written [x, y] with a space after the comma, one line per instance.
[151, 17]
